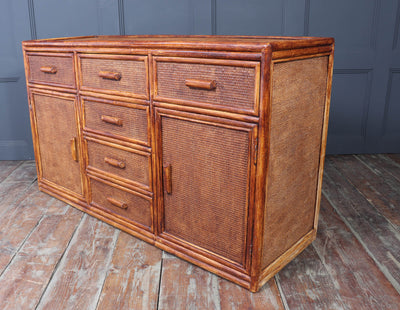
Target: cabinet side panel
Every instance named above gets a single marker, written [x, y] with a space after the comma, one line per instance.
[298, 101]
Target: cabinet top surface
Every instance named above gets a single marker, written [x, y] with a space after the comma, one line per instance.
[240, 43]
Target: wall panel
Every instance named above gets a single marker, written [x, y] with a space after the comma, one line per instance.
[365, 96]
[167, 17]
[75, 17]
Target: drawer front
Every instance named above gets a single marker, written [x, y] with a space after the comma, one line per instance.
[57, 69]
[130, 166]
[133, 207]
[227, 84]
[126, 75]
[115, 119]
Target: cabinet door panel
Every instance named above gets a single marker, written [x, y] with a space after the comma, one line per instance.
[206, 184]
[57, 132]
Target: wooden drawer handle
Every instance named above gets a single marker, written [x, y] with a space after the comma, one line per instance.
[108, 75]
[168, 179]
[74, 151]
[202, 84]
[48, 69]
[111, 120]
[114, 162]
[117, 203]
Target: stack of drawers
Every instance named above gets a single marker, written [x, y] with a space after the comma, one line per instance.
[210, 148]
[117, 135]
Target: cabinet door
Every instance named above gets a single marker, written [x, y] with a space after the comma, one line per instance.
[207, 167]
[56, 141]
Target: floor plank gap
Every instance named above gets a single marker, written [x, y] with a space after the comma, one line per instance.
[20, 246]
[281, 294]
[160, 279]
[60, 260]
[383, 269]
[108, 270]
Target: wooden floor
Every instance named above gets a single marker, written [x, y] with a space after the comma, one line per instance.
[53, 256]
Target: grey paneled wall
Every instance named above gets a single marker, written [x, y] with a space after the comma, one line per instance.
[15, 137]
[365, 109]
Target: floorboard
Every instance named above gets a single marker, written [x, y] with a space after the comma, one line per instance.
[133, 278]
[382, 190]
[7, 167]
[185, 286]
[24, 281]
[79, 278]
[372, 229]
[53, 256]
[358, 280]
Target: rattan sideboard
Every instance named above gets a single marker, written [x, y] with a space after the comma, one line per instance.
[209, 147]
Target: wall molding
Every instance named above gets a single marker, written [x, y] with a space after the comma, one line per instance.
[213, 17]
[283, 19]
[11, 79]
[396, 27]
[375, 23]
[307, 17]
[32, 19]
[392, 72]
[121, 17]
[366, 97]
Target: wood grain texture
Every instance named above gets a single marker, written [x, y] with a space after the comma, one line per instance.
[133, 278]
[357, 279]
[383, 191]
[233, 297]
[53, 254]
[17, 223]
[394, 157]
[307, 284]
[376, 234]
[16, 179]
[383, 165]
[80, 275]
[7, 167]
[24, 173]
[184, 286]
[25, 279]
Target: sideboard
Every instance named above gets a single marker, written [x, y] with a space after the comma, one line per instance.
[208, 147]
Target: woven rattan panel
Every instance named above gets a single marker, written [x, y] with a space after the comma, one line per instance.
[298, 100]
[136, 166]
[133, 74]
[55, 140]
[235, 86]
[208, 205]
[138, 209]
[63, 65]
[134, 121]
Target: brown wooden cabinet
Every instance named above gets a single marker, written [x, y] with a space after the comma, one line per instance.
[209, 147]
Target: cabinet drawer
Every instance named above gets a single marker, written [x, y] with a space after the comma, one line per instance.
[121, 120]
[134, 207]
[226, 84]
[128, 165]
[122, 75]
[57, 69]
